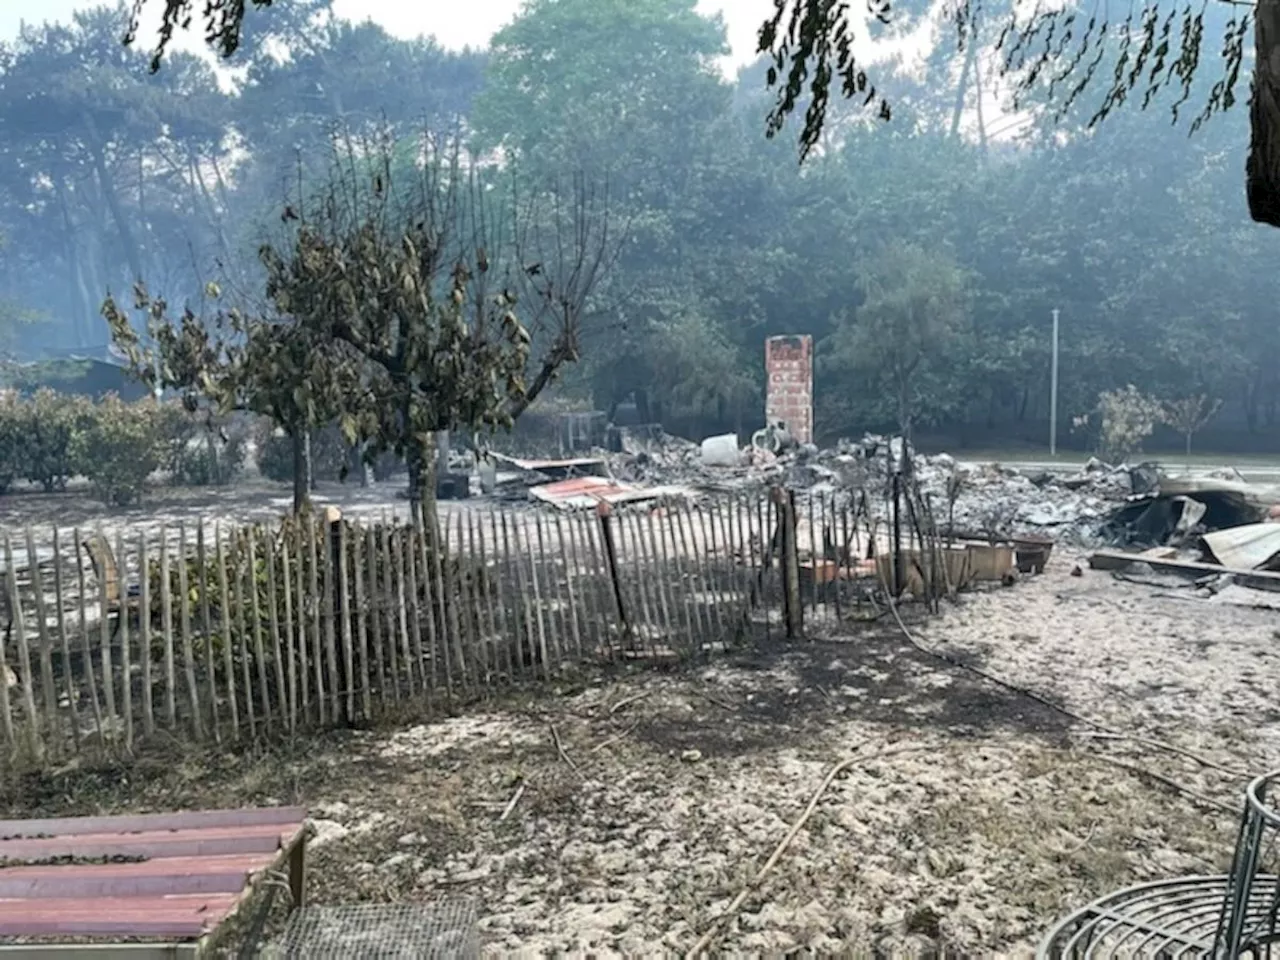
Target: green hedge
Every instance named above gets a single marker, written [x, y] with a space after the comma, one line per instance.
[49, 437]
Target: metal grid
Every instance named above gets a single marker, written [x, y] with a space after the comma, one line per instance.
[1168, 918]
[1223, 916]
[444, 930]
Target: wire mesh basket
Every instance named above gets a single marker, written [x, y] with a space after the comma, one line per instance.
[443, 930]
[1224, 916]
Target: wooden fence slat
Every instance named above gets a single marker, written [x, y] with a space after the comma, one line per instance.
[329, 607]
[679, 565]
[630, 545]
[507, 617]
[314, 654]
[24, 667]
[395, 540]
[375, 620]
[269, 541]
[289, 636]
[206, 629]
[609, 549]
[48, 688]
[386, 594]
[87, 641]
[73, 691]
[104, 638]
[569, 562]
[485, 545]
[166, 633]
[344, 595]
[696, 546]
[549, 566]
[361, 601]
[528, 645]
[413, 596]
[535, 589]
[126, 668]
[427, 609]
[440, 560]
[579, 534]
[714, 572]
[188, 646]
[455, 573]
[410, 552]
[34, 739]
[239, 566]
[594, 530]
[663, 601]
[255, 613]
[144, 645]
[581, 588]
[483, 603]
[228, 655]
[300, 662]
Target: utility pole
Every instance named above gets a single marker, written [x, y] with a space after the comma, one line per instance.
[1053, 391]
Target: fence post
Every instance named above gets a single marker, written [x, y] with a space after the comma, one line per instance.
[611, 559]
[793, 604]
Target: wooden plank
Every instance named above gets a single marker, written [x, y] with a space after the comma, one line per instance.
[24, 654]
[101, 951]
[166, 630]
[148, 686]
[213, 841]
[290, 637]
[161, 876]
[386, 590]
[315, 654]
[184, 625]
[144, 822]
[398, 597]
[255, 613]
[48, 689]
[242, 626]
[361, 605]
[73, 694]
[330, 608]
[344, 604]
[409, 567]
[1118, 560]
[427, 611]
[273, 618]
[126, 670]
[181, 916]
[206, 628]
[228, 661]
[85, 642]
[376, 623]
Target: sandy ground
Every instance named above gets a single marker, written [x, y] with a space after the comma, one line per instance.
[975, 818]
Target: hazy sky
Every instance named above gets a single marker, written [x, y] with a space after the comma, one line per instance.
[454, 24]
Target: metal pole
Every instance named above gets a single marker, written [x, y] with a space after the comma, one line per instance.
[1053, 392]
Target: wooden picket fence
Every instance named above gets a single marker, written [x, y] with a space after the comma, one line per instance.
[209, 633]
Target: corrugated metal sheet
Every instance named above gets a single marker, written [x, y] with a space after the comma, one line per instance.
[586, 492]
[580, 492]
[1253, 546]
[573, 465]
[168, 875]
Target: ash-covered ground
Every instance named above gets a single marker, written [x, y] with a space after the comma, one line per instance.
[974, 818]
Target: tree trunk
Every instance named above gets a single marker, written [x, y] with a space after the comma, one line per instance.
[422, 491]
[1262, 169]
[105, 182]
[301, 494]
[308, 461]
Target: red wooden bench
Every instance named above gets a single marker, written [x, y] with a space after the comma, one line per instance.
[168, 878]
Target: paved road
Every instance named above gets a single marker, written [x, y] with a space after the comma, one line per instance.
[1255, 471]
